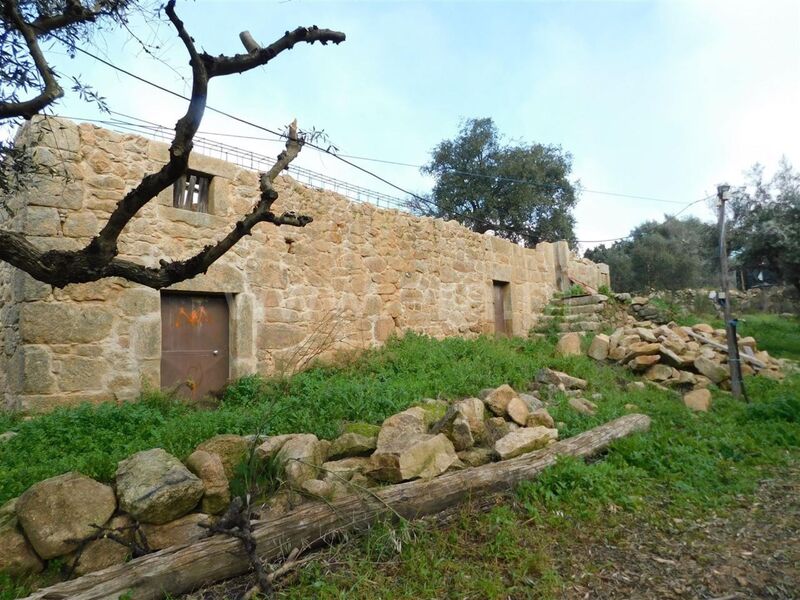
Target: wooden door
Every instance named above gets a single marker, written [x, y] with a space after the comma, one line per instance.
[194, 344]
[502, 314]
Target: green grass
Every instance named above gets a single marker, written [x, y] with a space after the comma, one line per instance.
[92, 439]
[780, 336]
[686, 464]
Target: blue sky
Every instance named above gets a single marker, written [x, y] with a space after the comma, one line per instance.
[659, 99]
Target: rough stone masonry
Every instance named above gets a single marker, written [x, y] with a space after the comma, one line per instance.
[349, 280]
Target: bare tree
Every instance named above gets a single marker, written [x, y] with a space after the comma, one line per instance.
[24, 24]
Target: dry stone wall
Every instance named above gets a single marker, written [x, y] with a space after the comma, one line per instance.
[349, 280]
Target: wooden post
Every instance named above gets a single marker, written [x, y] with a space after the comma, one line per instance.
[733, 361]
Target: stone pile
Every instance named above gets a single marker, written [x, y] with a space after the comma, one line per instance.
[158, 501]
[686, 358]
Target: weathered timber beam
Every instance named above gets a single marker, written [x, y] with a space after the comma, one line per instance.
[723, 348]
[183, 568]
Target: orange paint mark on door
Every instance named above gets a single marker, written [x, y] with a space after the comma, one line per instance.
[197, 316]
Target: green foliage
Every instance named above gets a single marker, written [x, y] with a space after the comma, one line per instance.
[484, 184]
[780, 336]
[765, 229]
[671, 255]
[606, 291]
[92, 439]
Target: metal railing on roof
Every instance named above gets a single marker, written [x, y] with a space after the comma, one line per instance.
[260, 162]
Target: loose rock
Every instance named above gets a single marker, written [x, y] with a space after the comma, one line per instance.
[524, 440]
[417, 455]
[599, 347]
[569, 344]
[208, 467]
[497, 400]
[698, 400]
[352, 444]
[178, 532]
[301, 458]
[517, 411]
[583, 406]
[231, 449]
[58, 513]
[540, 417]
[155, 487]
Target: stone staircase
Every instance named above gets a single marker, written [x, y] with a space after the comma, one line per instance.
[582, 314]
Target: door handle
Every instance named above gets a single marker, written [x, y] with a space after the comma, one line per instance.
[215, 352]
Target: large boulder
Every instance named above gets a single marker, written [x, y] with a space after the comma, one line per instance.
[231, 449]
[599, 347]
[155, 487]
[524, 440]
[216, 493]
[352, 444]
[58, 513]
[569, 344]
[105, 552]
[16, 554]
[418, 455]
[178, 532]
[301, 456]
[497, 399]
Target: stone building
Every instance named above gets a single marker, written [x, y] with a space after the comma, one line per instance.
[280, 298]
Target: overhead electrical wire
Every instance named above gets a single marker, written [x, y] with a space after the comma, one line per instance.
[344, 158]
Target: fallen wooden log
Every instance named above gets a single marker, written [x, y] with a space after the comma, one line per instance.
[181, 569]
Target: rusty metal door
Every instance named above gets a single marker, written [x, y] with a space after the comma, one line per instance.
[194, 343]
[500, 300]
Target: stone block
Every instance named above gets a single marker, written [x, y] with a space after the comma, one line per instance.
[42, 221]
[80, 225]
[37, 375]
[59, 323]
[139, 301]
[79, 373]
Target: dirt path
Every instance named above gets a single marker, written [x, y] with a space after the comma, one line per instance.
[753, 551]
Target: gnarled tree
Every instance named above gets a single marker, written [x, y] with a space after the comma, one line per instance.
[31, 85]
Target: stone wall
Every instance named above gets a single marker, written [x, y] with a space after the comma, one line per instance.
[351, 279]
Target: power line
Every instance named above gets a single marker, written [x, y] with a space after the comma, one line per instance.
[343, 157]
[360, 168]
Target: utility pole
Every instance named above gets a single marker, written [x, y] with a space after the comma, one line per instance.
[734, 365]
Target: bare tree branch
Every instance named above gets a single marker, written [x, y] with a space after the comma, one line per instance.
[227, 65]
[51, 91]
[99, 258]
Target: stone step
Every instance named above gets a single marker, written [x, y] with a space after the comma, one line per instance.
[584, 300]
[584, 309]
[581, 326]
[568, 318]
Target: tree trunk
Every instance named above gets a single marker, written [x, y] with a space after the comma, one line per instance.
[183, 568]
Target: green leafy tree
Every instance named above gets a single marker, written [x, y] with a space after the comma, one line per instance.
[765, 226]
[520, 191]
[671, 255]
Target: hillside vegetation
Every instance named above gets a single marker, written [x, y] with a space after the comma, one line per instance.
[689, 466]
